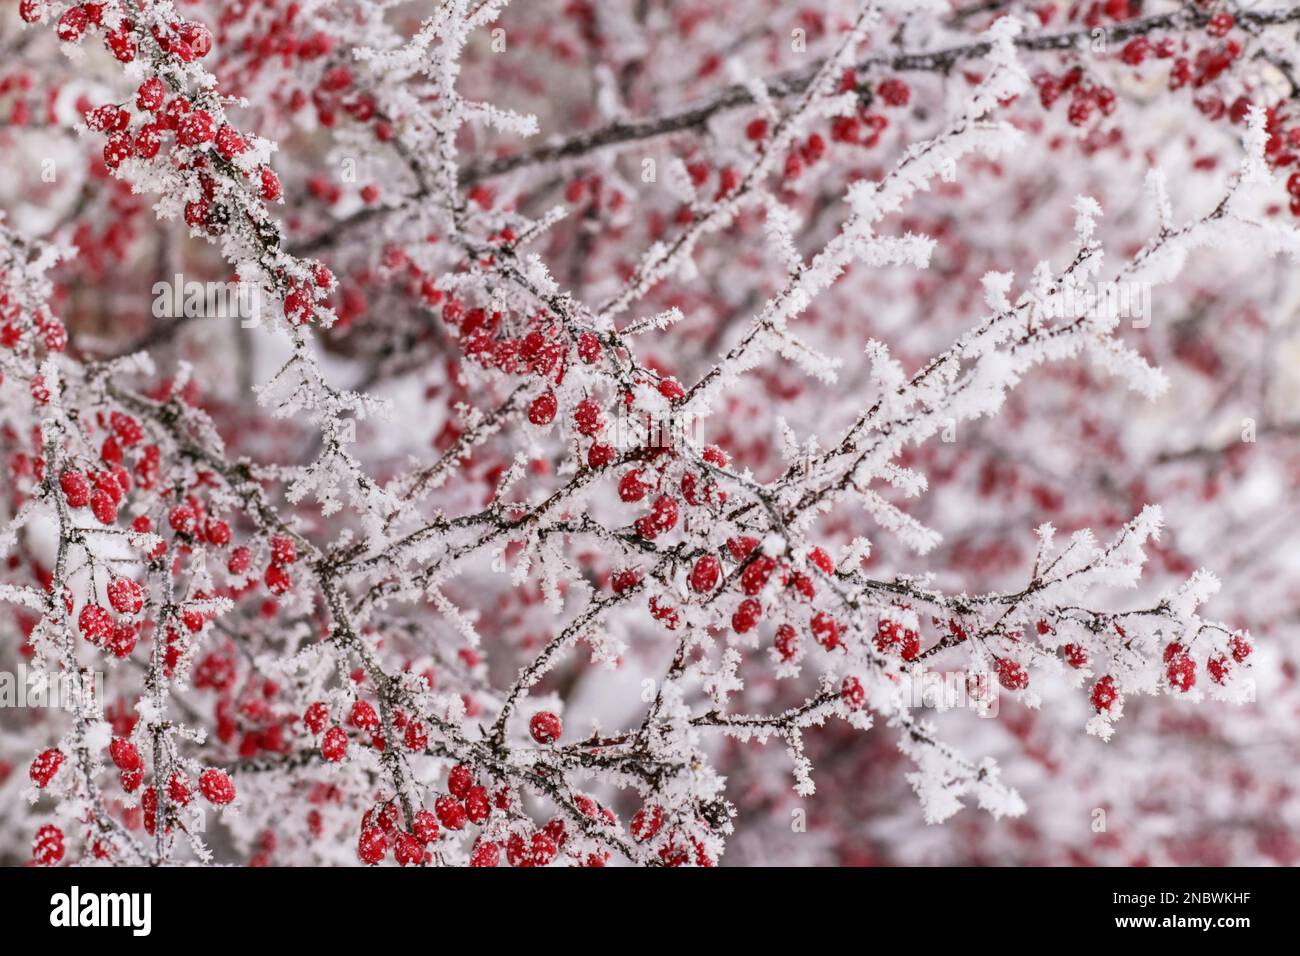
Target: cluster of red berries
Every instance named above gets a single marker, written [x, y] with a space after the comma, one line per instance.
[894, 638]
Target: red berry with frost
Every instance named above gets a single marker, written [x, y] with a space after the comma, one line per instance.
[363, 716]
[124, 753]
[477, 806]
[600, 456]
[408, 850]
[1240, 648]
[756, 573]
[317, 717]
[1075, 655]
[825, 630]
[631, 487]
[541, 411]
[1181, 671]
[545, 727]
[1104, 694]
[334, 745]
[416, 736]
[45, 766]
[72, 25]
[241, 559]
[216, 787]
[459, 780]
[646, 822]
[95, 623]
[277, 579]
[1011, 674]
[746, 616]
[47, 847]
[588, 348]
[76, 489]
[426, 827]
[283, 551]
[271, 188]
[126, 596]
[372, 846]
[587, 419]
[451, 812]
[787, 642]
[1220, 24]
[852, 693]
[705, 574]
[485, 853]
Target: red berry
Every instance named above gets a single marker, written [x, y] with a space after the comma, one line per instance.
[416, 736]
[853, 693]
[317, 717]
[586, 417]
[182, 519]
[217, 532]
[663, 514]
[542, 409]
[630, 486]
[283, 551]
[216, 787]
[334, 745]
[1181, 671]
[1135, 51]
[72, 25]
[363, 716]
[45, 766]
[426, 826]
[76, 489]
[271, 188]
[95, 623]
[103, 506]
[588, 348]
[646, 822]
[1220, 24]
[1011, 674]
[746, 616]
[451, 814]
[545, 727]
[1219, 668]
[600, 456]
[47, 848]
[787, 642]
[241, 559]
[825, 630]
[1075, 655]
[372, 846]
[756, 574]
[705, 574]
[126, 596]
[477, 807]
[1104, 694]
[459, 781]
[408, 850]
[151, 94]
[1240, 648]
[622, 581]
[485, 853]
[197, 38]
[124, 754]
[894, 92]
[195, 129]
[277, 579]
